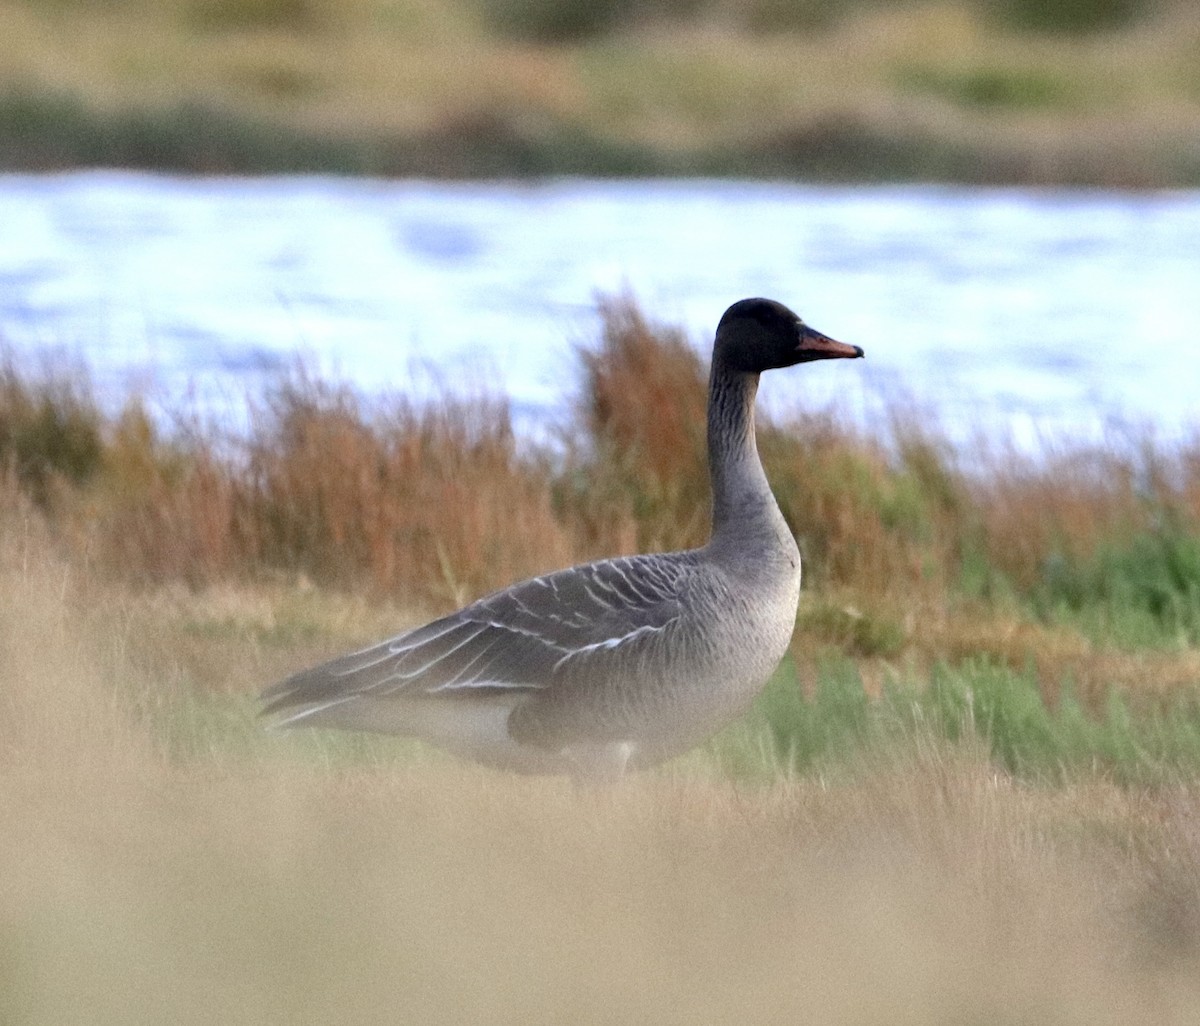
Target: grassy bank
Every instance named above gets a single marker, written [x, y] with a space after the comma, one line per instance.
[970, 795]
[1096, 91]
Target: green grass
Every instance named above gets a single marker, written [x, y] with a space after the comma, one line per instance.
[837, 727]
[1143, 593]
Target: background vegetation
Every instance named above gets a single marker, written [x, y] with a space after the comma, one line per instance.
[1095, 91]
[969, 795]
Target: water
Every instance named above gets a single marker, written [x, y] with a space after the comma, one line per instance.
[1027, 312]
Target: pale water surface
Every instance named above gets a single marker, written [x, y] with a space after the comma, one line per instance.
[1029, 311]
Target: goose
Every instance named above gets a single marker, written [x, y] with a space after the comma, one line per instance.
[611, 665]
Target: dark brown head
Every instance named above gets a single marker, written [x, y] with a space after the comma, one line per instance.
[755, 335]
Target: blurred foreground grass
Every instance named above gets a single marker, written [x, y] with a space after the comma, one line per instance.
[1066, 91]
[163, 860]
[971, 795]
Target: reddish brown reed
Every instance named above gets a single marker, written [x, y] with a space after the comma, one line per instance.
[638, 444]
[1068, 502]
[159, 510]
[431, 502]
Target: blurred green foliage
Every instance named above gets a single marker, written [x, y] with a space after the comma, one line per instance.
[559, 21]
[1069, 16]
[977, 702]
[989, 88]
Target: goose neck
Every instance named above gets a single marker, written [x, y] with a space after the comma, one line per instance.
[742, 498]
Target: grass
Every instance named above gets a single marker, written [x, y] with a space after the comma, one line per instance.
[165, 860]
[1001, 711]
[1096, 91]
[969, 795]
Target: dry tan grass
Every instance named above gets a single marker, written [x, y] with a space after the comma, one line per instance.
[140, 887]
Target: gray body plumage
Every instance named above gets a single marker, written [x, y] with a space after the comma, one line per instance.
[624, 661]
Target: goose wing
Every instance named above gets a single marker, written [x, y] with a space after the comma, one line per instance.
[515, 639]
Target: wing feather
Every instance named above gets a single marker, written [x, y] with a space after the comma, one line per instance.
[518, 638]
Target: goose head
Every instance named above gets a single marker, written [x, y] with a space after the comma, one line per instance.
[755, 335]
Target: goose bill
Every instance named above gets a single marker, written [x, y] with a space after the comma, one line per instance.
[815, 346]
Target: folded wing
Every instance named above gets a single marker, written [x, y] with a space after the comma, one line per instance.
[510, 641]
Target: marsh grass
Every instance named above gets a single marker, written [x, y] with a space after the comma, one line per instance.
[1088, 548]
[1037, 611]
